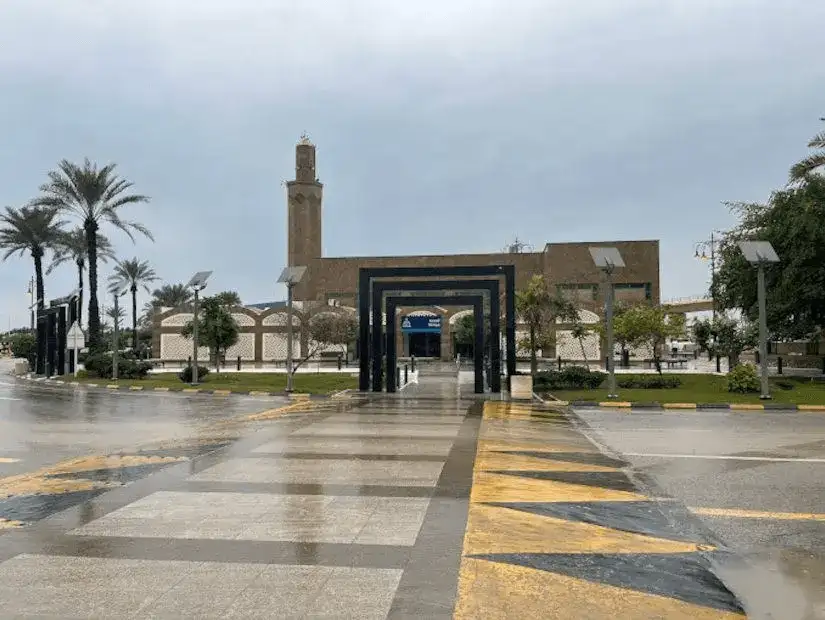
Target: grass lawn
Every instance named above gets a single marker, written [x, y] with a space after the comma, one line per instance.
[308, 383]
[707, 389]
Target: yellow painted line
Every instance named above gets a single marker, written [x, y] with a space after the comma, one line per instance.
[161, 389]
[811, 407]
[136, 388]
[274, 413]
[259, 393]
[493, 529]
[6, 459]
[93, 384]
[746, 407]
[488, 487]
[112, 386]
[679, 405]
[616, 403]
[190, 390]
[757, 514]
[221, 392]
[496, 590]
[6, 524]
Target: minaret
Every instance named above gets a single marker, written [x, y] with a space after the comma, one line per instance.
[304, 196]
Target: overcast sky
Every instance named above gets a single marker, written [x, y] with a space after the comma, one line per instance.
[442, 126]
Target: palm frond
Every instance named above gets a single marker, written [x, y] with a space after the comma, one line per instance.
[818, 141]
[801, 170]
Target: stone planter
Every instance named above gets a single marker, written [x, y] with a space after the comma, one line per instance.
[21, 367]
[521, 387]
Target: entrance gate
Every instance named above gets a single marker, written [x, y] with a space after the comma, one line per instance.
[476, 301]
[370, 302]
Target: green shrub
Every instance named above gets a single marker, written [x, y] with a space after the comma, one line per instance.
[743, 379]
[185, 375]
[24, 345]
[83, 374]
[648, 382]
[571, 378]
[101, 365]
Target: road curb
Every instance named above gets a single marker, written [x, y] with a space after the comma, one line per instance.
[102, 386]
[741, 407]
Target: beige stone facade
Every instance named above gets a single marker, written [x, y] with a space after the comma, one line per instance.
[566, 267]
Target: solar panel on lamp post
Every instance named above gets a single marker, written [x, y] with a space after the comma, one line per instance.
[290, 276]
[761, 253]
[607, 259]
[197, 284]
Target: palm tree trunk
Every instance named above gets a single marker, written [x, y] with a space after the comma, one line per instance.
[134, 319]
[38, 279]
[80, 266]
[584, 354]
[90, 227]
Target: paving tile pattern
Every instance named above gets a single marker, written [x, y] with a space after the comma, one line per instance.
[354, 511]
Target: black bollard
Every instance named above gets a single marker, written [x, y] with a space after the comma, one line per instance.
[397, 376]
[406, 374]
[559, 362]
[779, 365]
[719, 362]
[412, 362]
[823, 365]
[339, 362]
[239, 362]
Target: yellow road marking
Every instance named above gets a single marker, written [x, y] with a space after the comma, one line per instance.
[6, 459]
[492, 461]
[746, 407]
[136, 387]
[495, 590]
[6, 524]
[757, 514]
[811, 407]
[191, 390]
[494, 529]
[112, 386]
[222, 392]
[679, 405]
[620, 404]
[161, 389]
[259, 393]
[503, 488]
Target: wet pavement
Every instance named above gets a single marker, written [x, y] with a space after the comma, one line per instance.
[429, 503]
[756, 480]
[60, 446]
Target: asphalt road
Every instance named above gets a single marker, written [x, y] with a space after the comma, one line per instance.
[42, 425]
[755, 479]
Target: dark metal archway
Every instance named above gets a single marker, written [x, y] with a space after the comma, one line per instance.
[370, 299]
[476, 301]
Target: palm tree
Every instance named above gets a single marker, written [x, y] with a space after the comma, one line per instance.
[71, 246]
[33, 230]
[167, 296]
[134, 273]
[815, 161]
[95, 196]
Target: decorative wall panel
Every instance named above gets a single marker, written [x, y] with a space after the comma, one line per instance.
[245, 347]
[176, 347]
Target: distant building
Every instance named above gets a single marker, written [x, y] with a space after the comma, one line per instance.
[333, 282]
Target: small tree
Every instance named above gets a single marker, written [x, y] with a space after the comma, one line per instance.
[216, 328]
[464, 331]
[702, 332]
[329, 329]
[537, 309]
[648, 325]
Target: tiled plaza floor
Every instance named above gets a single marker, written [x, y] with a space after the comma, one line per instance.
[354, 513]
[427, 504]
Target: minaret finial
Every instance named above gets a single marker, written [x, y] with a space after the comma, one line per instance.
[305, 139]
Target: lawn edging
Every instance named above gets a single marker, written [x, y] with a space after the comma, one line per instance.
[111, 387]
[769, 406]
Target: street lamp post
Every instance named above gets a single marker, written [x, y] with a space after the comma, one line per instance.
[118, 290]
[761, 253]
[608, 259]
[290, 276]
[197, 284]
[711, 245]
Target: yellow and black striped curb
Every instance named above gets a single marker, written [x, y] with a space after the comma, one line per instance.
[557, 529]
[343, 394]
[622, 404]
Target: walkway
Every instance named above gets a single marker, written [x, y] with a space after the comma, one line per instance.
[397, 507]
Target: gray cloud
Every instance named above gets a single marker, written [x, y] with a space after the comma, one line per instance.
[441, 127]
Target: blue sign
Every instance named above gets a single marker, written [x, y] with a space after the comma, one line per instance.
[421, 324]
